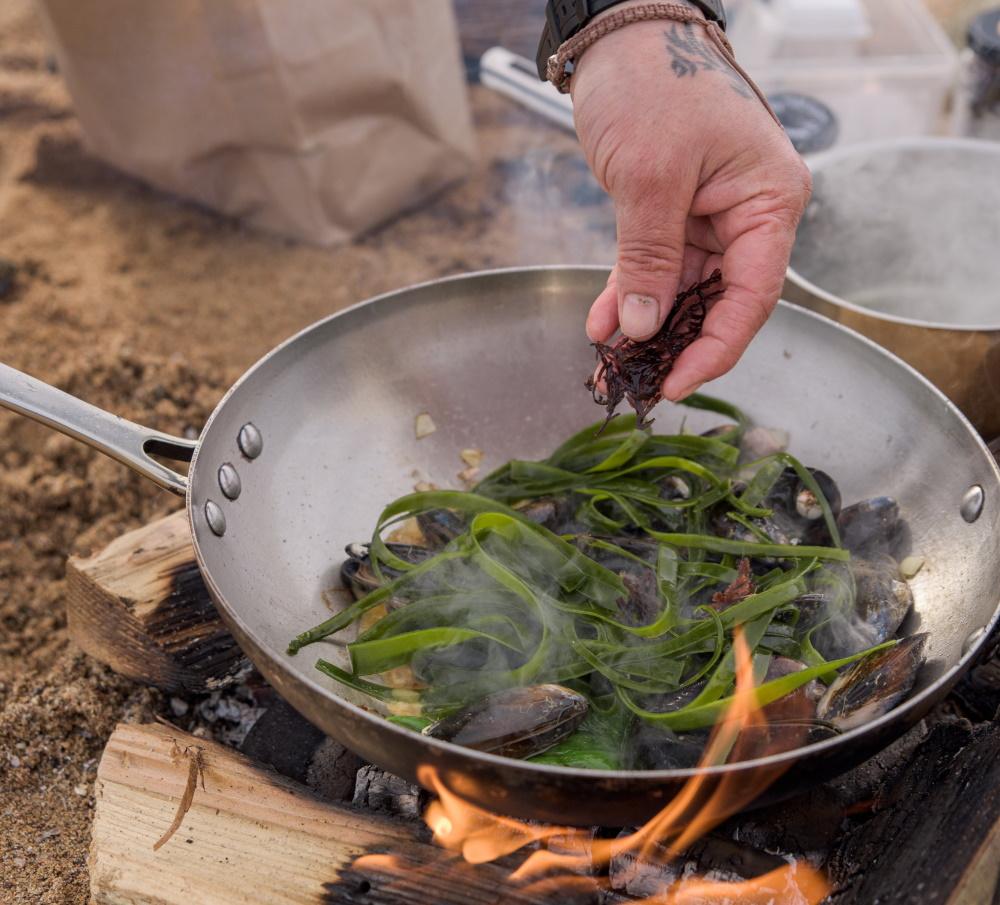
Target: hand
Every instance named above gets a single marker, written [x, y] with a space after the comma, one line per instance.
[701, 177]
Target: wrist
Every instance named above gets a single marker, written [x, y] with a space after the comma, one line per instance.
[564, 19]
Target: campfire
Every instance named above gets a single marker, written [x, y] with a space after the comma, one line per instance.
[303, 818]
[562, 857]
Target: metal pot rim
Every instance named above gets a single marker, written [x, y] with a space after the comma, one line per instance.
[820, 162]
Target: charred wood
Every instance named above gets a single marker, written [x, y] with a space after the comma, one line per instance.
[933, 825]
[141, 607]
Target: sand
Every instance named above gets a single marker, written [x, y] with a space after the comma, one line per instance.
[151, 307]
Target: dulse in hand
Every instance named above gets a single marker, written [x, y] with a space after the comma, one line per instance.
[635, 371]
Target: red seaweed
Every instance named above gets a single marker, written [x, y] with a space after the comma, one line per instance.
[635, 371]
[741, 587]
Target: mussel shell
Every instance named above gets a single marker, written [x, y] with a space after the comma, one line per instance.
[871, 526]
[440, 526]
[553, 512]
[883, 596]
[874, 685]
[775, 528]
[643, 603]
[517, 722]
[356, 572]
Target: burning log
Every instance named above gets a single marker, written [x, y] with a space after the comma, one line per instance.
[935, 835]
[248, 834]
[140, 606]
[382, 792]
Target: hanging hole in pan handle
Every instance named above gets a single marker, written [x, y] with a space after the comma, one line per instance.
[131, 444]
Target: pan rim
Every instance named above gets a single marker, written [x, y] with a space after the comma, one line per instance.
[856, 151]
[649, 777]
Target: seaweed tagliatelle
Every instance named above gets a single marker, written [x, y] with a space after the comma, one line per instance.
[619, 567]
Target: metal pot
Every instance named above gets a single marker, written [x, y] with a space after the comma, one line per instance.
[901, 242]
[302, 453]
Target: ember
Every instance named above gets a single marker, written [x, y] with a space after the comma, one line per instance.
[635, 371]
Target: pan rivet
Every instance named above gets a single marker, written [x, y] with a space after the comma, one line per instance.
[216, 518]
[970, 642]
[972, 503]
[229, 481]
[250, 441]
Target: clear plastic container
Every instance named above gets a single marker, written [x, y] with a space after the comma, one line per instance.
[803, 29]
[893, 83]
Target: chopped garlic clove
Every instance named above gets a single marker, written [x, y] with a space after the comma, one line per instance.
[468, 475]
[910, 566]
[424, 425]
[472, 457]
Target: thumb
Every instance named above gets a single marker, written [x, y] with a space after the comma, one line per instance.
[651, 243]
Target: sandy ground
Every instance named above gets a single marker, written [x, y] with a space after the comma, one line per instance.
[151, 307]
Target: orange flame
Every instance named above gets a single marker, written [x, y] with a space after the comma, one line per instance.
[570, 856]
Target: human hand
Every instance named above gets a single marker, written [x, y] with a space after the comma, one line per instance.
[701, 176]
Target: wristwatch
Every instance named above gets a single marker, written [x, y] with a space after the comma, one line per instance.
[564, 18]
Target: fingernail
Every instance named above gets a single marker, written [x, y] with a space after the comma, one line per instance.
[640, 316]
[673, 396]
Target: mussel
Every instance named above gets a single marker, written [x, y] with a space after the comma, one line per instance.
[870, 527]
[358, 575]
[517, 722]
[874, 685]
[880, 605]
[553, 512]
[883, 596]
[769, 528]
[440, 526]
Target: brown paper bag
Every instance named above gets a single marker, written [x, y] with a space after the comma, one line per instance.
[316, 119]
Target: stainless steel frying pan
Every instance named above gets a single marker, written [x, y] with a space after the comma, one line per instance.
[303, 452]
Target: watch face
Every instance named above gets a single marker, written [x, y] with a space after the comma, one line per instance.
[713, 9]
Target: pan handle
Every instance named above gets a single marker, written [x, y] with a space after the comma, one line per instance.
[129, 443]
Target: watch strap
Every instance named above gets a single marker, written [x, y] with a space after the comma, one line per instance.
[564, 18]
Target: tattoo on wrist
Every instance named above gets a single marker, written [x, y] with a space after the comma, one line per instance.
[689, 53]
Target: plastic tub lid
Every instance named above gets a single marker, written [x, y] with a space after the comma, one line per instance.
[828, 19]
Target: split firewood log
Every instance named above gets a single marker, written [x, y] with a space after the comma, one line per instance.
[179, 819]
[141, 607]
